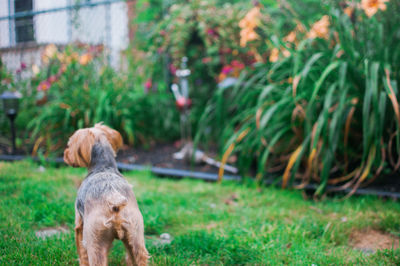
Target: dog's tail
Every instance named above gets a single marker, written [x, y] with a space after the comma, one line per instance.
[116, 202]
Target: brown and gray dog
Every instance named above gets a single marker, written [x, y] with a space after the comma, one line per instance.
[106, 207]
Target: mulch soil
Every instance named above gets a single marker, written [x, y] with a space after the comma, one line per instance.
[161, 155]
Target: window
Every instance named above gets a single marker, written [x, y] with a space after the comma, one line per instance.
[23, 26]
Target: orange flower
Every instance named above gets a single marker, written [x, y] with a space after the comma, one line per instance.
[85, 59]
[35, 69]
[320, 29]
[372, 6]
[251, 18]
[49, 52]
[248, 25]
[349, 11]
[274, 56]
[285, 52]
[291, 37]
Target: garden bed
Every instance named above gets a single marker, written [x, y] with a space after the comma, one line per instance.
[158, 158]
[161, 155]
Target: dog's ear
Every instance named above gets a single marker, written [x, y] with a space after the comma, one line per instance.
[79, 150]
[113, 136]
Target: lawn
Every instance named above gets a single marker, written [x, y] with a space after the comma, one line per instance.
[231, 224]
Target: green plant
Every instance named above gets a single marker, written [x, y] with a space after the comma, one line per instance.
[77, 89]
[207, 32]
[324, 108]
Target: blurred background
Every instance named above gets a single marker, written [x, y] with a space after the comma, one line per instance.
[303, 92]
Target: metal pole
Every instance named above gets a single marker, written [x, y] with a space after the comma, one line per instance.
[12, 124]
[183, 76]
[10, 24]
[69, 22]
[108, 30]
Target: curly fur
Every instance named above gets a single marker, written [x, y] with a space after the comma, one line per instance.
[106, 207]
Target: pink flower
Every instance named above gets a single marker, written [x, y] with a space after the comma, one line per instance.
[212, 32]
[163, 32]
[44, 86]
[225, 50]
[23, 65]
[206, 60]
[172, 69]
[148, 84]
[237, 64]
[6, 81]
[52, 79]
[160, 50]
[226, 69]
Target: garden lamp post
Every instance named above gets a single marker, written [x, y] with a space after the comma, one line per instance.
[183, 75]
[182, 99]
[183, 102]
[10, 105]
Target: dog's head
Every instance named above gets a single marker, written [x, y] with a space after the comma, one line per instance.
[79, 149]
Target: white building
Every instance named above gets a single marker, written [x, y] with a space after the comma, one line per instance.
[54, 21]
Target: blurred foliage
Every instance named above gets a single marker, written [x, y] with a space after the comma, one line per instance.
[322, 105]
[75, 88]
[207, 32]
[316, 97]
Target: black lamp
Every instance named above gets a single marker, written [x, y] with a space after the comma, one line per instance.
[10, 104]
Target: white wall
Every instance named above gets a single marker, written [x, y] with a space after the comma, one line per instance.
[4, 24]
[89, 26]
[51, 27]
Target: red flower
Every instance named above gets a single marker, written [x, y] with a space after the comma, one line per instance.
[206, 60]
[23, 65]
[52, 79]
[148, 84]
[44, 86]
[226, 69]
[212, 32]
[172, 69]
[225, 50]
[183, 103]
[6, 81]
[237, 64]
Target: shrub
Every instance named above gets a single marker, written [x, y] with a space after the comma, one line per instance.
[207, 32]
[77, 89]
[321, 105]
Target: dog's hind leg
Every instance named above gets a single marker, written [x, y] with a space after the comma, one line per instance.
[129, 255]
[97, 238]
[136, 252]
[134, 242]
[82, 253]
[97, 250]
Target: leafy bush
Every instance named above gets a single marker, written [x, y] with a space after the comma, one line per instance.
[321, 105]
[77, 90]
[207, 32]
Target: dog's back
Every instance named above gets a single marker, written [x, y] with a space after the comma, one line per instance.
[104, 182]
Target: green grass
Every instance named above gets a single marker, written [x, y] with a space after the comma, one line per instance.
[268, 226]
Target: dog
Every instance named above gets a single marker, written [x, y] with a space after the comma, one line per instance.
[106, 207]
